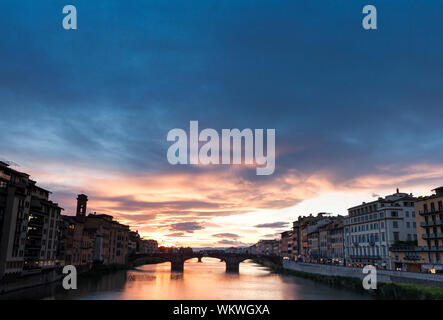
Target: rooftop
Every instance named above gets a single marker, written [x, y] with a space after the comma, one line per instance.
[388, 199]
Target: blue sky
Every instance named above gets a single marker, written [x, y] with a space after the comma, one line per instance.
[354, 110]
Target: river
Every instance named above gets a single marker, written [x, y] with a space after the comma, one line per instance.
[205, 280]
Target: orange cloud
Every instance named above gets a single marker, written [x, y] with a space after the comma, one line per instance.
[168, 206]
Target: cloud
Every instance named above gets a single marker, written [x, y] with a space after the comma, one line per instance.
[138, 217]
[226, 235]
[176, 234]
[189, 227]
[272, 225]
[232, 242]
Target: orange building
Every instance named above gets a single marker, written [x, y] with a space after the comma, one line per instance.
[426, 255]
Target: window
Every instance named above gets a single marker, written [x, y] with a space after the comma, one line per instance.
[408, 225]
[396, 236]
[395, 224]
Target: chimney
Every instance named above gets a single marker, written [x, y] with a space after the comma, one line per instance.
[82, 200]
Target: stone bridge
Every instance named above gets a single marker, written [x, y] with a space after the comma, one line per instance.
[232, 260]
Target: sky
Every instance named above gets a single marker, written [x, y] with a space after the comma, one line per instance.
[356, 112]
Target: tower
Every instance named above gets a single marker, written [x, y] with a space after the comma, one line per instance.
[82, 200]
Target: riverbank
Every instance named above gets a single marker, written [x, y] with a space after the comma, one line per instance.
[385, 290]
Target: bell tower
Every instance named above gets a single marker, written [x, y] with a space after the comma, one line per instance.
[82, 201]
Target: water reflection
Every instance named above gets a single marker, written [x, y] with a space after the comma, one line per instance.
[207, 280]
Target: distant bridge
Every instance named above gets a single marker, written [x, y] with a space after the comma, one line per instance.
[232, 260]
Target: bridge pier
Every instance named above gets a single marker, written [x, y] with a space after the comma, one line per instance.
[232, 264]
[233, 267]
[177, 264]
[199, 259]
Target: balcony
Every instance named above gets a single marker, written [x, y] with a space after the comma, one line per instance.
[427, 212]
[431, 223]
[413, 258]
[398, 248]
[433, 248]
[5, 176]
[432, 236]
[366, 257]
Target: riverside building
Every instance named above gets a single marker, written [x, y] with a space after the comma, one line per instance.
[15, 200]
[430, 230]
[426, 254]
[29, 225]
[288, 245]
[370, 229]
[42, 240]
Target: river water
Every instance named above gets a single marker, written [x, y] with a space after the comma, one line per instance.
[206, 280]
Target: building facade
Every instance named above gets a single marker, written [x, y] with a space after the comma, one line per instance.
[426, 254]
[110, 244]
[15, 201]
[149, 246]
[336, 241]
[29, 225]
[42, 241]
[268, 247]
[286, 244]
[430, 230]
[372, 228]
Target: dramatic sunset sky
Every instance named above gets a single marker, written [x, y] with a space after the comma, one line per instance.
[357, 113]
